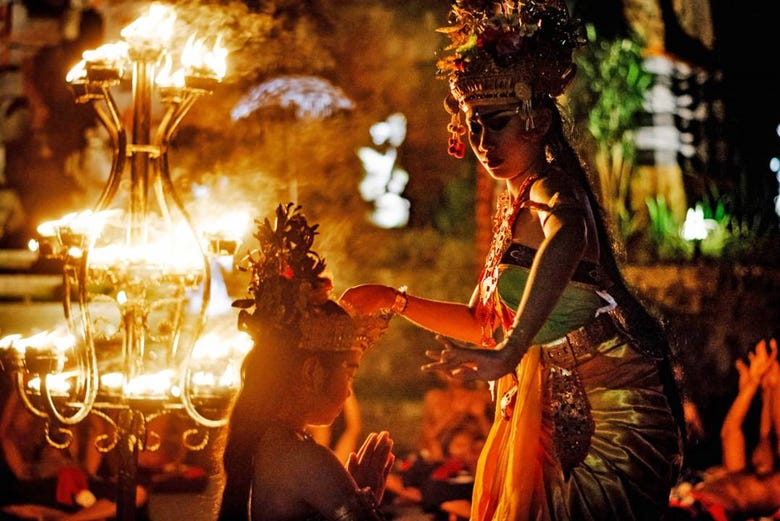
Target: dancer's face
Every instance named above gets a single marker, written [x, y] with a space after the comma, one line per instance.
[500, 140]
[339, 372]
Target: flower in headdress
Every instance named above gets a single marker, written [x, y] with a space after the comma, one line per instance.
[289, 292]
[286, 275]
[287, 272]
[507, 32]
[501, 42]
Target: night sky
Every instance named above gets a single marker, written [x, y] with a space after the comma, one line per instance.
[747, 48]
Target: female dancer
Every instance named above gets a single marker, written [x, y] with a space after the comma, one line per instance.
[306, 351]
[588, 421]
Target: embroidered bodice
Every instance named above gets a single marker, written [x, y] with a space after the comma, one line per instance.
[576, 307]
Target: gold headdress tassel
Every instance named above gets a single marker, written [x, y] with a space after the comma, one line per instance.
[455, 145]
[523, 94]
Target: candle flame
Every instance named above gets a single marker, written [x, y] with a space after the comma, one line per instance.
[152, 29]
[57, 383]
[166, 78]
[154, 384]
[9, 342]
[200, 61]
[87, 223]
[77, 73]
[163, 256]
[59, 340]
[108, 53]
[213, 346]
[112, 381]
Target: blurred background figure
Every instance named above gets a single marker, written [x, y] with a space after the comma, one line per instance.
[746, 485]
[453, 403]
[440, 487]
[44, 482]
[61, 154]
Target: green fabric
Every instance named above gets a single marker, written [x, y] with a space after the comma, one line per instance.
[576, 307]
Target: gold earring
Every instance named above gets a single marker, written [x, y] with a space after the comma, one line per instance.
[455, 145]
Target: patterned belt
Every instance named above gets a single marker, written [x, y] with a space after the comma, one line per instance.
[568, 351]
[580, 345]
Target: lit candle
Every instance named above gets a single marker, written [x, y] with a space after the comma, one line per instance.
[152, 31]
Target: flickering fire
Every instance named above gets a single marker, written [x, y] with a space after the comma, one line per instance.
[153, 385]
[212, 346]
[58, 383]
[198, 60]
[150, 385]
[166, 252]
[227, 225]
[112, 56]
[54, 344]
[86, 224]
[164, 256]
[58, 340]
[220, 361]
[77, 73]
[153, 29]
[167, 79]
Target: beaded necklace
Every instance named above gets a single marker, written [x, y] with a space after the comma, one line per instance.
[488, 306]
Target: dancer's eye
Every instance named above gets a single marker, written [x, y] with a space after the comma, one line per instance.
[475, 127]
[495, 121]
[498, 120]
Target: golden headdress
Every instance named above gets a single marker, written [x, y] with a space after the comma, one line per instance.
[289, 293]
[506, 52]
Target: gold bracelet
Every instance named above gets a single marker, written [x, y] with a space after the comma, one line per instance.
[400, 302]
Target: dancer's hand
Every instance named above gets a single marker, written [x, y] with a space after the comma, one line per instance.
[372, 463]
[468, 363]
[367, 299]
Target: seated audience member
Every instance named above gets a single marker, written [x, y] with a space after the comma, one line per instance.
[747, 484]
[165, 469]
[44, 482]
[445, 407]
[435, 486]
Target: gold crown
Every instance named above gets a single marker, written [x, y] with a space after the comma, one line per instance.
[327, 328]
[368, 328]
[289, 293]
[492, 86]
[485, 83]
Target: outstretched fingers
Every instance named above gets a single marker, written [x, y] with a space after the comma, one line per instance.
[453, 360]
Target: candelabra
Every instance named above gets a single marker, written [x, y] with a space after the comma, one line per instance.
[136, 275]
